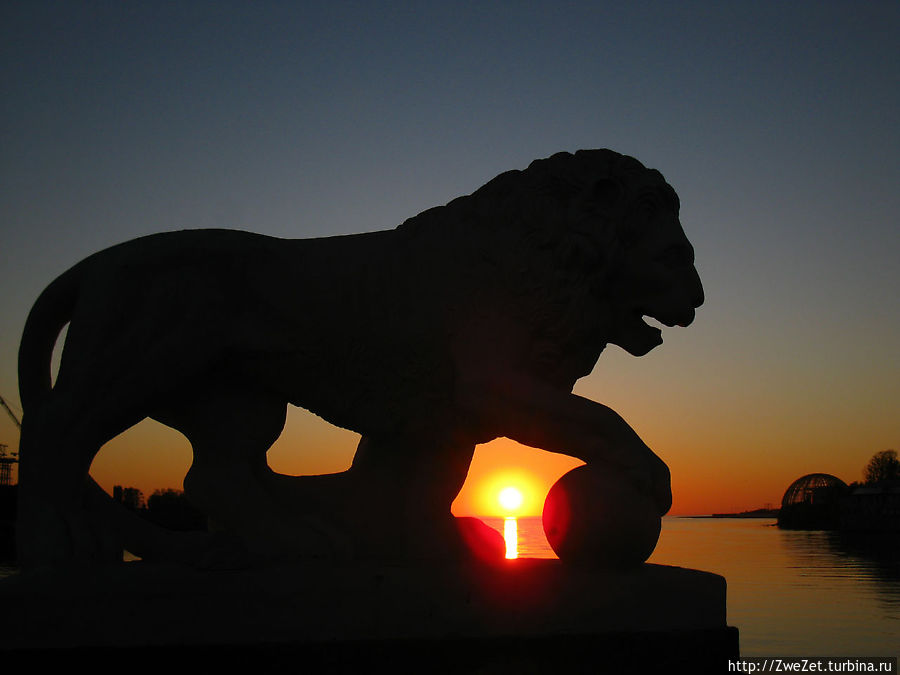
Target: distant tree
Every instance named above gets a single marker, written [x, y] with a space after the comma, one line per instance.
[884, 465]
[171, 509]
[129, 497]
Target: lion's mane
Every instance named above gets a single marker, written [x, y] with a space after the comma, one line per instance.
[550, 238]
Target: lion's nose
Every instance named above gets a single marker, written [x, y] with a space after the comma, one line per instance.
[687, 319]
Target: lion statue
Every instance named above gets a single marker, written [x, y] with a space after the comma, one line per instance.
[468, 322]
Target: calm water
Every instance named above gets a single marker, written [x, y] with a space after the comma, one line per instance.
[790, 593]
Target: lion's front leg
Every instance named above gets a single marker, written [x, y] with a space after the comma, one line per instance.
[540, 416]
[418, 477]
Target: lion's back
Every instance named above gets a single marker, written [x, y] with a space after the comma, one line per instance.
[177, 301]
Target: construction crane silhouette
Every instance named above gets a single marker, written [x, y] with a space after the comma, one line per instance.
[11, 413]
[7, 459]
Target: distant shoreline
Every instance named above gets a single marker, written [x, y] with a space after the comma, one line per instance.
[773, 513]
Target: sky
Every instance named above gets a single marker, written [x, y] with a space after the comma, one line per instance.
[775, 122]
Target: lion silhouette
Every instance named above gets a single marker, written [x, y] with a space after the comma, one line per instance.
[468, 322]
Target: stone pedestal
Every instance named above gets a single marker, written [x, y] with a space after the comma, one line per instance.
[523, 616]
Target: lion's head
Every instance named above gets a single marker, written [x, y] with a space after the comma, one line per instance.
[584, 246]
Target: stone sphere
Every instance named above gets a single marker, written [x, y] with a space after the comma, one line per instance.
[596, 517]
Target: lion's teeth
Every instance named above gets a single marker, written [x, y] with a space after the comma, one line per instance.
[650, 321]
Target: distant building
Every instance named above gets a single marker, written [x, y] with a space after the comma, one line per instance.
[812, 502]
[820, 501]
[874, 508]
[7, 459]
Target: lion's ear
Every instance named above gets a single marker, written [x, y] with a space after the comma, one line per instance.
[606, 193]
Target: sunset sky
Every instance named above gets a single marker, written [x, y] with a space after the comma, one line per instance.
[776, 122]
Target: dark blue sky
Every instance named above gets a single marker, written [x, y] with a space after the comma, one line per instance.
[776, 123]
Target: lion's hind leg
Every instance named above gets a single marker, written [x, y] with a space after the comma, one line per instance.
[111, 369]
[54, 526]
[231, 429]
[58, 520]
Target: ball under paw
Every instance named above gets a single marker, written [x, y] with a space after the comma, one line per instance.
[597, 518]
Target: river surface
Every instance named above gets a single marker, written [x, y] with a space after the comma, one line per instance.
[790, 593]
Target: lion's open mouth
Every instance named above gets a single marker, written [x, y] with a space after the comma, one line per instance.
[660, 320]
[653, 323]
[644, 331]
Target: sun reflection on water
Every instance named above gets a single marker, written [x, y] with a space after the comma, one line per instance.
[511, 536]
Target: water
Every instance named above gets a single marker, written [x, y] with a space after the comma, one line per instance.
[531, 540]
[794, 592]
[791, 593]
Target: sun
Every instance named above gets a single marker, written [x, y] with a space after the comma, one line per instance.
[510, 498]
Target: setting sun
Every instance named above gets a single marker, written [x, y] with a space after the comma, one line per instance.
[502, 464]
[510, 498]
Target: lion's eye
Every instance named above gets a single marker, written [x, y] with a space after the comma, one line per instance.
[648, 209]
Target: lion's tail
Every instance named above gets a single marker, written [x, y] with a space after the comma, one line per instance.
[49, 315]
